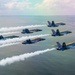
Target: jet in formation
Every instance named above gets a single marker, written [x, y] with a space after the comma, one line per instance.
[53, 24]
[31, 41]
[11, 37]
[65, 46]
[58, 33]
[24, 31]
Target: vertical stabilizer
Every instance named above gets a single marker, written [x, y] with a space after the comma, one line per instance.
[49, 24]
[53, 32]
[53, 24]
[59, 46]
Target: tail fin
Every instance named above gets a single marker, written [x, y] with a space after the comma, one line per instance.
[59, 46]
[49, 24]
[53, 24]
[53, 32]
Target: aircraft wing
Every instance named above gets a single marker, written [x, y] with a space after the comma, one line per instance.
[71, 45]
[61, 23]
[66, 32]
[13, 36]
[36, 30]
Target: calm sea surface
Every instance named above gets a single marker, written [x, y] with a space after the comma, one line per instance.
[50, 63]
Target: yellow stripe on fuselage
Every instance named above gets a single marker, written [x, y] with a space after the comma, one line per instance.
[69, 43]
[66, 44]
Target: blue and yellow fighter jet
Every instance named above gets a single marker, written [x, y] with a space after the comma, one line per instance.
[31, 41]
[65, 46]
[58, 33]
[53, 24]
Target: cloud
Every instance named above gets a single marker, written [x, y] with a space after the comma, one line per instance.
[14, 4]
[40, 7]
[56, 6]
[10, 4]
[53, 3]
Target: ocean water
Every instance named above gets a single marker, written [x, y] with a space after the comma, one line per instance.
[49, 63]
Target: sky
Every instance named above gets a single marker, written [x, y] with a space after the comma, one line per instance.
[37, 7]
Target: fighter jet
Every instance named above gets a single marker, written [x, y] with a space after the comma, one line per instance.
[3, 38]
[58, 33]
[65, 46]
[31, 41]
[24, 31]
[53, 24]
